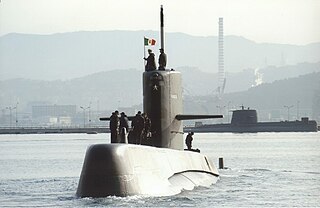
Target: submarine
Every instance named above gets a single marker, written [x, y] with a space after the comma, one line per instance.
[159, 166]
[246, 121]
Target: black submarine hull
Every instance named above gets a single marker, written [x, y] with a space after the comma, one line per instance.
[305, 125]
[254, 128]
[126, 169]
[246, 121]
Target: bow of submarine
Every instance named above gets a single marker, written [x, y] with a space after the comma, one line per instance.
[126, 169]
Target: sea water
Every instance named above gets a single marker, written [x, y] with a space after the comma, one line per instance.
[262, 170]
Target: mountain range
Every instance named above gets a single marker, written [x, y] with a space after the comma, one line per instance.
[71, 55]
[301, 93]
[123, 88]
[104, 69]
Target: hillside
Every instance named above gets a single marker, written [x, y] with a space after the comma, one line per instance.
[302, 93]
[111, 89]
[71, 55]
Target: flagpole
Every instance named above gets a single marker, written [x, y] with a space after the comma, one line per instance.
[144, 51]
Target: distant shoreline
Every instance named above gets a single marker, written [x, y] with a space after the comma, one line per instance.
[62, 130]
[53, 130]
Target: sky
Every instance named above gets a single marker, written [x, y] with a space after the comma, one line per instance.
[273, 21]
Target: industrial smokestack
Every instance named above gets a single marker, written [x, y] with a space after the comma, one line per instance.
[221, 74]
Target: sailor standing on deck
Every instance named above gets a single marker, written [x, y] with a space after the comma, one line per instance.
[138, 127]
[147, 127]
[151, 61]
[162, 60]
[189, 140]
[124, 121]
[114, 126]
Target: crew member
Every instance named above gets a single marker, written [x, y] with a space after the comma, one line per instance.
[189, 140]
[114, 126]
[124, 121]
[151, 61]
[162, 60]
[147, 127]
[138, 127]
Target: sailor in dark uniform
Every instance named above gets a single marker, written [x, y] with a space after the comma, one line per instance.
[189, 140]
[162, 60]
[151, 61]
[124, 121]
[114, 126]
[147, 127]
[138, 127]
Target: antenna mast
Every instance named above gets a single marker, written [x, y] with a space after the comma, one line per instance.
[161, 28]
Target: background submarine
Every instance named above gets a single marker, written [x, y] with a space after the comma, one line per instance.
[246, 121]
[159, 167]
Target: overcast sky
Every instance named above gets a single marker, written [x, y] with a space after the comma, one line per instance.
[276, 21]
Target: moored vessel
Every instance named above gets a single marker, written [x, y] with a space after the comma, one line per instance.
[246, 121]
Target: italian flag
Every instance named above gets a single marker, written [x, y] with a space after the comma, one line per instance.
[148, 41]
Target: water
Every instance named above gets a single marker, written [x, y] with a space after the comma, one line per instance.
[264, 170]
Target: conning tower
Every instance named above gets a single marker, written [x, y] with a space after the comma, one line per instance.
[244, 116]
[162, 101]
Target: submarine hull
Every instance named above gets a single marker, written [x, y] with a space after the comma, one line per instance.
[246, 121]
[126, 169]
[254, 128]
